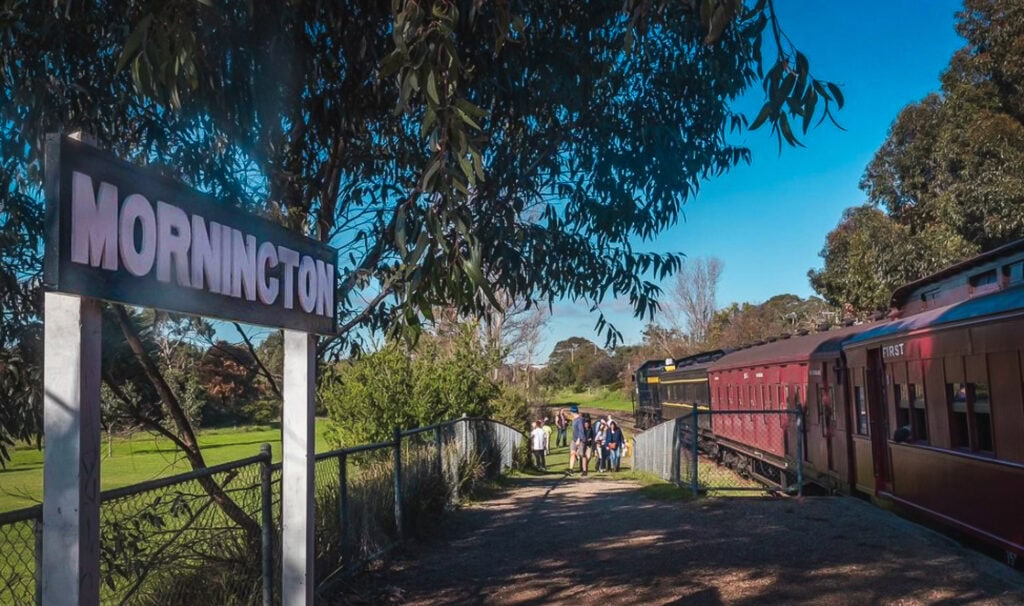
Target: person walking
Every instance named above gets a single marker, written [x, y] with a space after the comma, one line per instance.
[538, 444]
[575, 452]
[562, 425]
[586, 445]
[547, 436]
[615, 442]
[600, 452]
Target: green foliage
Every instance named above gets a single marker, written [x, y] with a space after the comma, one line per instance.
[511, 407]
[954, 162]
[449, 151]
[950, 174]
[20, 383]
[396, 387]
[746, 323]
[868, 255]
[579, 363]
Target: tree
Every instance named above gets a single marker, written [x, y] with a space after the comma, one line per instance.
[227, 373]
[398, 387]
[661, 342]
[954, 162]
[868, 255]
[519, 333]
[603, 370]
[694, 290]
[411, 136]
[747, 323]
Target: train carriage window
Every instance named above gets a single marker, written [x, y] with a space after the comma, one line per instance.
[832, 402]
[1014, 272]
[861, 410]
[918, 413]
[902, 397]
[764, 398]
[970, 416]
[983, 279]
[981, 410]
[960, 433]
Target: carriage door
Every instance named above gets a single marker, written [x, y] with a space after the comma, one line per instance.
[826, 414]
[878, 420]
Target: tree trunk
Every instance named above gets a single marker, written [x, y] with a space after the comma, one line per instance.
[187, 438]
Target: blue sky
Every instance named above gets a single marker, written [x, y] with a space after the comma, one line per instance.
[768, 221]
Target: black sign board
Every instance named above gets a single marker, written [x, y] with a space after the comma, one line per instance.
[123, 233]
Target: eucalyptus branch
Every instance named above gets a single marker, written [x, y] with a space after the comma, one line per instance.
[269, 376]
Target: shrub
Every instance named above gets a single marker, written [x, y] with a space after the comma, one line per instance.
[511, 408]
[396, 387]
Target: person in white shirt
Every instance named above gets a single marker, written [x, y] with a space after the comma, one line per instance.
[599, 445]
[538, 444]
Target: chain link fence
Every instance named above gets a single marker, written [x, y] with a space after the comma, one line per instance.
[213, 536]
[20, 548]
[723, 452]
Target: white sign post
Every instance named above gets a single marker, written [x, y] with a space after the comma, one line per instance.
[71, 468]
[120, 233]
[298, 464]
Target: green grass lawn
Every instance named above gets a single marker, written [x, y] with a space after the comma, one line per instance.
[600, 397]
[142, 457]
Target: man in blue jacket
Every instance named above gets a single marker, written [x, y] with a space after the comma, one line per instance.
[576, 449]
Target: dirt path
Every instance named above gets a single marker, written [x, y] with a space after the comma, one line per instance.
[573, 541]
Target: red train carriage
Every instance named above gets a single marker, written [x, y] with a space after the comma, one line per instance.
[787, 374]
[937, 402]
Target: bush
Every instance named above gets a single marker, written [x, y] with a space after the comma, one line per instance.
[396, 387]
[511, 408]
[263, 411]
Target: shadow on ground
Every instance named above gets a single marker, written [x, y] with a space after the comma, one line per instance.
[550, 540]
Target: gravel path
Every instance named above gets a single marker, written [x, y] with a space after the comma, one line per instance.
[584, 541]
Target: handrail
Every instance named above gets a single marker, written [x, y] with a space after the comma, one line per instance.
[353, 450]
[33, 512]
[408, 433]
[125, 491]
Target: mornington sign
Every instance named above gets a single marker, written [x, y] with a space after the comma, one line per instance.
[123, 233]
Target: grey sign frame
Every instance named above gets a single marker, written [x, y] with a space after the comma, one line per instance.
[65, 155]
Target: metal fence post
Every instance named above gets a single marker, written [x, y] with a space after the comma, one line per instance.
[694, 464]
[399, 528]
[343, 502]
[676, 461]
[452, 431]
[37, 527]
[440, 455]
[800, 451]
[267, 524]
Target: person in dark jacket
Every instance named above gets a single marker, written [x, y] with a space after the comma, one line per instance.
[576, 450]
[587, 444]
[562, 425]
[614, 442]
